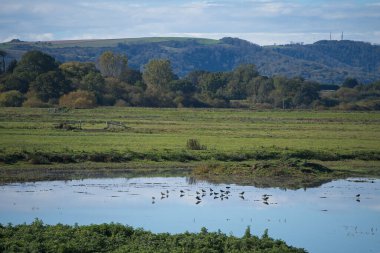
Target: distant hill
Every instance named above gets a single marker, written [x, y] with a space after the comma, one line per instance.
[324, 61]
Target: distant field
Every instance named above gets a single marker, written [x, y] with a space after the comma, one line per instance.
[169, 129]
[106, 42]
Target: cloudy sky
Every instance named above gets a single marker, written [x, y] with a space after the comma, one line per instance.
[261, 21]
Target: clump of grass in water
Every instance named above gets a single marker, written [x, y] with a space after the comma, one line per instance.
[194, 144]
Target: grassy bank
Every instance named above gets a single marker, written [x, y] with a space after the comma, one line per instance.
[132, 137]
[38, 237]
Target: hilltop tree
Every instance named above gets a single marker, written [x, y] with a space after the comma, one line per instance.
[112, 65]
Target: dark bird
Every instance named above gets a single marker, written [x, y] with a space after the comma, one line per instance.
[198, 198]
[228, 187]
[198, 192]
[357, 195]
[153, 198]
[227, 192]
[216, 193]
[241, 193]
[221, 191]
[265, 198]
[167, 191]
[211, 190]
[182, 191]
[211, 193]
[203, 190]
[163, 194]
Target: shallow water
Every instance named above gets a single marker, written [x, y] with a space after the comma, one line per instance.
[329, 218]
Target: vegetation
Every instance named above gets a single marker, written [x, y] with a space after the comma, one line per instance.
[324, 61]
[39, 81]
[239, 140]
[38, 237]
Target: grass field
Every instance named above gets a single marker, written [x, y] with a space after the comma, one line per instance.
[106, 42]
[161, 135]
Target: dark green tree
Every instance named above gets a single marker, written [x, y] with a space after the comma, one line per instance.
[50, 85]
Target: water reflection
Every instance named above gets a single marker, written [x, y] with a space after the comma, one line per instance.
[340, 216]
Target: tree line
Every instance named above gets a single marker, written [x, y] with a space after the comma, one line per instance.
[38, 80]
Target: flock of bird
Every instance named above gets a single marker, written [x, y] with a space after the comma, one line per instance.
[222, 194]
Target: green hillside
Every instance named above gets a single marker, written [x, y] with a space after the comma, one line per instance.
[324, 61]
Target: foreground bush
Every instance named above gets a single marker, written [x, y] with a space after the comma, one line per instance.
[38, 237]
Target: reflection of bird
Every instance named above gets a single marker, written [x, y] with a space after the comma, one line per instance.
[181, 195]
[216, 197]
[357, 200]
[266, 203]
[242, 197]
[167, 191]
[198, 202]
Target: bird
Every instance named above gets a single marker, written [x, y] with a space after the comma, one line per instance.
[198, 192]
[211, 190]
[167, 191]
[153, 198]
[221, 191]
[163, 194]
[242, 193]
[228, 187]
[216, 193]
[357, 195]
[198, 198]
[203, 190]
[265, 198]
[182, 191]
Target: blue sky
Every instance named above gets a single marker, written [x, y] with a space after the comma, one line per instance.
[263, 22]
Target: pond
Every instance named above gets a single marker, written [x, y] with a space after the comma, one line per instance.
[329, 218]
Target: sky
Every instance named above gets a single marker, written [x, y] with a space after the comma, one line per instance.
[264, 22]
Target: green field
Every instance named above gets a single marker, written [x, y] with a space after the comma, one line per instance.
[160, 135]
[105, 42]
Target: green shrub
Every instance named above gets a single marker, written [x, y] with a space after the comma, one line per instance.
[194, 144]
[12, 98]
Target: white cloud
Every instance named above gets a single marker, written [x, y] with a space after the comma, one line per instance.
[261, 21]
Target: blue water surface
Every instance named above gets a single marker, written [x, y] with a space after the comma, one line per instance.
[329, 218]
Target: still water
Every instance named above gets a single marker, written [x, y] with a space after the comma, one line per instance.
[329, 218]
